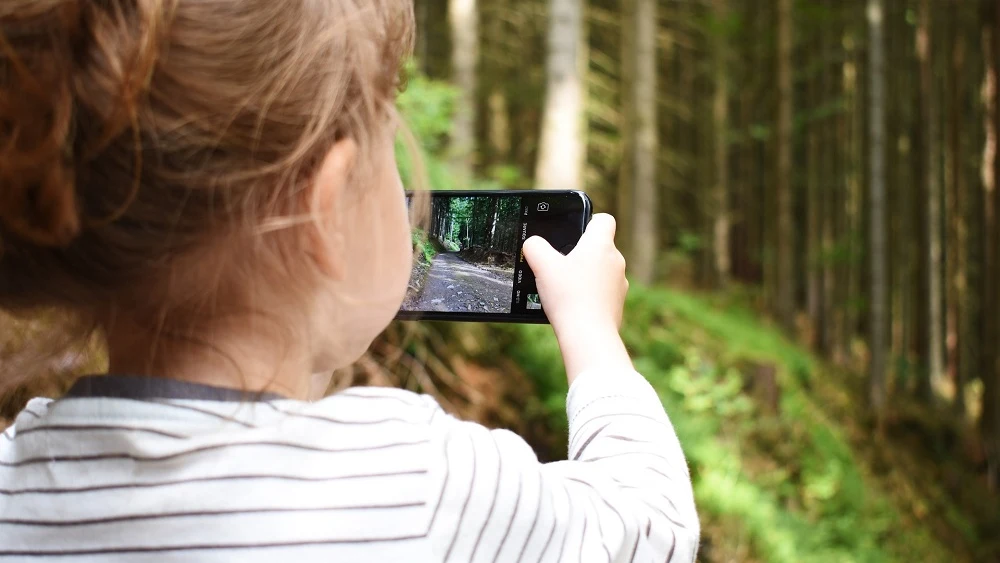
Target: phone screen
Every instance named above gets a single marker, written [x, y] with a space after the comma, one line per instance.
[468, 263]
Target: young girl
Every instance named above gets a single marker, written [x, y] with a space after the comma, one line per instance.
[212, 185]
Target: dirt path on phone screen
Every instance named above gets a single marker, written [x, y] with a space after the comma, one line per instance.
[455, 285]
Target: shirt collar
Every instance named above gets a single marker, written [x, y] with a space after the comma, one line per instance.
[141, 388]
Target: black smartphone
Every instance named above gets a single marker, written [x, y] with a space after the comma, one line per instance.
[468, 263]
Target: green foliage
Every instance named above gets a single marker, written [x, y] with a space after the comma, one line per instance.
[790, 480]
[425, 250]
[426, 107]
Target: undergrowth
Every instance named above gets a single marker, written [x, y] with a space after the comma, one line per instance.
[425, 250]
[780, 482]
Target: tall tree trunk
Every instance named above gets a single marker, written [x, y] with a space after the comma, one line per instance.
[876, 132]
[645, 143]
[493, 223]
[562, 145]
[421, 47]
[499, 126]
[720, 115]
[918, 295]
[463, 16]
[905, 248]
[785, 299]
[830, 192]
[957, 240]
[895, 192]
[932, 201]
[847, 75]
[624, 197]
[850, 223]
[814, 197]
[990, 356]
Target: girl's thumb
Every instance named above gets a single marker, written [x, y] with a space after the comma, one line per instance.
[540, 254]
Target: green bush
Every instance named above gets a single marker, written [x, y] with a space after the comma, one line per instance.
[425, 250]
[426, 107]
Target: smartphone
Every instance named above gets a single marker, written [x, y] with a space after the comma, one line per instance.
[468, 263]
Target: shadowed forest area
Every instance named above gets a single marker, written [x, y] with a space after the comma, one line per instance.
[806, 193]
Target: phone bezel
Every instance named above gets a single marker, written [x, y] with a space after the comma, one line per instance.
[496, 317]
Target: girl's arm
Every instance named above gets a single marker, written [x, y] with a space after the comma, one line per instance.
[624, 494]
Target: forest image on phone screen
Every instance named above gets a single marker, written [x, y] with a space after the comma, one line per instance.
[466, 256]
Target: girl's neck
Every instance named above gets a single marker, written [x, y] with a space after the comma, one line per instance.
[239, 355]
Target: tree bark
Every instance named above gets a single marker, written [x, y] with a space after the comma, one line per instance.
[562, 145]
[463, 16]
[829, 192]
[814, 197]
[990, 357]
[957, 239]
[720, 114]
[499, 126]
[876, 132]
[420, 49]
[932, 202]
[785, 298]
[645, 144]
[624, 196]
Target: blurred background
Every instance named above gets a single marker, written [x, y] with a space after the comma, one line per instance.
[807, 196]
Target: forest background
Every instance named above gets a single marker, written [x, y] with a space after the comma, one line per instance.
[807, 195]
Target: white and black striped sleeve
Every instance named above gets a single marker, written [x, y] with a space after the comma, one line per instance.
[624, 495]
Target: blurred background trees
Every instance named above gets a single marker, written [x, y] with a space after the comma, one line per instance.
[829, 165]
[836, 160]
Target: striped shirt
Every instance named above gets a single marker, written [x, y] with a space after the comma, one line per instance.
[138, 469]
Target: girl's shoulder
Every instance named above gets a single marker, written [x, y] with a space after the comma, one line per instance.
[366, 406]
[389, 395]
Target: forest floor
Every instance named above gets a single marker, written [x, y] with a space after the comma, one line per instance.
[455, 285]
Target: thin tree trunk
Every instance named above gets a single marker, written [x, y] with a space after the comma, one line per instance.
[829, 191]
[876, 132]
[785, 298]
[851, 220]
[814, 196]
[955, 255]
[499, 126]
[463, 16]
[720, 114]
[562, 145]
[900, 185]
[932, 198]
[422, 34]
[625, 175]
[990, 356]
[839, 208]
[493, 225]
[645, 144]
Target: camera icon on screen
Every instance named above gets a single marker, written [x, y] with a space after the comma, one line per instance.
[543, 206]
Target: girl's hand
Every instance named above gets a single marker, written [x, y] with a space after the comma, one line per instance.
[583, 295]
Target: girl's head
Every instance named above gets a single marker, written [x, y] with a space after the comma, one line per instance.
[191, 172]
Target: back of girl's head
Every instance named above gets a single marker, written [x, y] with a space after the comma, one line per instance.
[139, 135]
